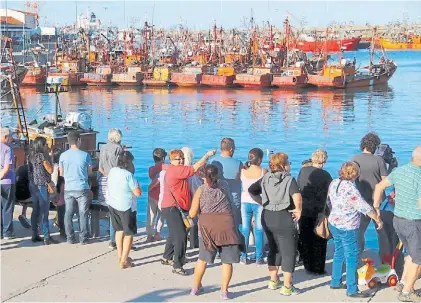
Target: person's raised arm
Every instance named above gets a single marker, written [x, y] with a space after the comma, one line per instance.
[204, 159]
[194, 209]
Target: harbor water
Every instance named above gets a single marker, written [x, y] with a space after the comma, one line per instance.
[296, 122]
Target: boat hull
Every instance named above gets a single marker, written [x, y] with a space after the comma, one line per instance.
[92, 82]
[289, 81]
[34, 79]
[331, 45]
[186, 80]
[357, 82]
[69, 79]
[390, 45]
[253, 81]
[218, 81]
[156, 83]
[128, 83]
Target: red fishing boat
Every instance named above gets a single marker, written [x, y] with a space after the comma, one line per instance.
[293, 77]
[331, 45]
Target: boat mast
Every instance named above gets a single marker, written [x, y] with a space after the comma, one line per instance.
[372, 46]
[286, 28]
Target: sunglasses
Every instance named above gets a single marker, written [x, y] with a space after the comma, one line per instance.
[178, 159]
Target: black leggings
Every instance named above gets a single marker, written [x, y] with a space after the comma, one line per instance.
[282, 238]
[176, 245]
[311, 247]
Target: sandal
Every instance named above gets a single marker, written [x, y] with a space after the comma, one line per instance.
[128, 260]
[167, 262]
[180, 271]
[128, 264]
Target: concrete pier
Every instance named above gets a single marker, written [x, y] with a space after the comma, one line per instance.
[65, 272]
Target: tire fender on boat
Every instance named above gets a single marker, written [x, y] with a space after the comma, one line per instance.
[294, 79]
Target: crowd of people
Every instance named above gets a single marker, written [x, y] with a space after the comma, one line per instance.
[218, 202]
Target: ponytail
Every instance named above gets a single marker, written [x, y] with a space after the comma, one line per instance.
[255, 157]
[212, 175]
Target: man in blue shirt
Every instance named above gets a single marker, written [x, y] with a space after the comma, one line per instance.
[230, 170]
[75, 167]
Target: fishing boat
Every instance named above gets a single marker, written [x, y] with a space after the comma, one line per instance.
[101, 77]
[133, 77]
[36, 75]
[314, 44]
[190, 76]
[219, 77]
[413, 43]
[69, 71]
[292, 73]
[158, 77]
[257, 77]
[345, 74]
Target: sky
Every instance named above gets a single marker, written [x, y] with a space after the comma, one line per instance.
[202, 14]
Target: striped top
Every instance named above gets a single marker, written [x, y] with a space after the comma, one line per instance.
[407, 182]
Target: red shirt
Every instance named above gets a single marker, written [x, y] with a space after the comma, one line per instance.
[153, 174]
[176, 181]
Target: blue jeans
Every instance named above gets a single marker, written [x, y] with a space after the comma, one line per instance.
[249, 210]
[347, 249]
[112, 232]
[83, 199]
[40, 208]
[7, 207]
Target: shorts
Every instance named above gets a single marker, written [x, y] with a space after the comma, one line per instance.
[124, 221]
[409, 232]
[229, 254]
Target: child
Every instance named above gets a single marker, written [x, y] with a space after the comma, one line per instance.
[153, 212]
[59, 182]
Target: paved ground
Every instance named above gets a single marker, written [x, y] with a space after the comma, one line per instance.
[64, 272]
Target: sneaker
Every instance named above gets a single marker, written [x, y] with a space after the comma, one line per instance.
[341, 286]
[399, 287]
[71, 241]
[84, 242]
[53, 241]
[9, 237]
[112, 245]
[243, 261]
[289, 291]
[24, 221]
[361, 295]
[409, 297]
[274, 285]
[225, 295]
[196, 291]
[36, 239]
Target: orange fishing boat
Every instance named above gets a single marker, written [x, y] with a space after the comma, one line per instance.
[71, 71]
[191, 76]
[294, 77]
[345, 75]
[254, 78]
[101, 77]
[411, 43]
[133, 77]
[224, 76]
[36, 75]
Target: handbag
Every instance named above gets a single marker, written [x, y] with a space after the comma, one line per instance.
[186, 218]
[322, 225]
